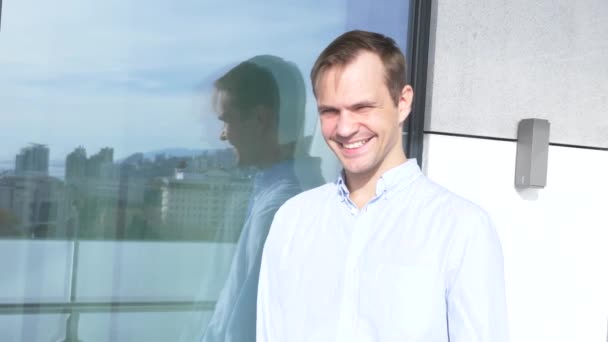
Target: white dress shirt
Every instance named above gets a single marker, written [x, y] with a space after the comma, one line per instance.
[234, 317]
[417, 263]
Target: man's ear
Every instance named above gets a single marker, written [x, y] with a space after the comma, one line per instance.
[405, 102]
[264, 117]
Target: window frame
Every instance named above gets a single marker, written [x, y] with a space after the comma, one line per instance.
[419, 32]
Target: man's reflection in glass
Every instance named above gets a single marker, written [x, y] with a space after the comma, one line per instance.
[262, 104]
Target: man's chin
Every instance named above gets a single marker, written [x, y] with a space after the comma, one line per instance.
[355, 170]
[361, 169]
[244, 162]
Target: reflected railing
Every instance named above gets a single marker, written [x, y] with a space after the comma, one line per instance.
[77, 256]
[97, 307]
[74, 309]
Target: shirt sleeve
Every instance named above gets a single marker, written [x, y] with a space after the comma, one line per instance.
[269, 323]
[476, 304]
[234, 318]
[241, 322]
[263, 316]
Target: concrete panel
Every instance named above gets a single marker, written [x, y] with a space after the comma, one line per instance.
[495, 62]
[553, 239]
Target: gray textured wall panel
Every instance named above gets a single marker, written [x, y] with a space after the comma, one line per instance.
[496, 62]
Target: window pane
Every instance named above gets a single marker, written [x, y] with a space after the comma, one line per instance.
[146, 146]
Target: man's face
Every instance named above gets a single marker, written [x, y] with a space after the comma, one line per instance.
[240, 130]
[359, 120]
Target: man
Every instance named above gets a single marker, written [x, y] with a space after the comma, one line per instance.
[262, 104]
[382, 254]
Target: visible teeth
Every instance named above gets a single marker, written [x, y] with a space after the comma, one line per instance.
[356, 144]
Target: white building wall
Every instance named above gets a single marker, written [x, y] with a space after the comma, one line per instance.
[493, 63]
[555, 240]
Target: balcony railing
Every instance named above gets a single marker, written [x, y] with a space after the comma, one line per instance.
[97, 307]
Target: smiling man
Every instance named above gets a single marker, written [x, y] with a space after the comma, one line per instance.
[383, 253]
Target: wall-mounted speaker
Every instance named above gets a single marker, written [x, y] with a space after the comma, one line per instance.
[532, 153]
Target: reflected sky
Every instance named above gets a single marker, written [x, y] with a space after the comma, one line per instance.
[126, 74]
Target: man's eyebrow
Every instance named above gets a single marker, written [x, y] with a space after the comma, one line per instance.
[324, 108]
[362, 104]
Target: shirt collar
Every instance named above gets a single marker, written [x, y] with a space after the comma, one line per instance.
[400, 175]
[342, 189]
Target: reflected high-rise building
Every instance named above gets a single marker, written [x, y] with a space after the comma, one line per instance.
[76, 164]
[97, 166]
[33, 201]
[32, 160]
[101, 164]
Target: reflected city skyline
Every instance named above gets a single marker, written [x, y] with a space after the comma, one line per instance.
[57, 166]
[174, 194]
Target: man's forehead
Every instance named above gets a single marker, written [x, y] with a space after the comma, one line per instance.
[350, 82]
[223, 101]
[364, 65]
[222, 97]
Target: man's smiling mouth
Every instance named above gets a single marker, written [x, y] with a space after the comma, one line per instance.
[356, 144]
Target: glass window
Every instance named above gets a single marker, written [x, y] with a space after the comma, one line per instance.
[145, 148]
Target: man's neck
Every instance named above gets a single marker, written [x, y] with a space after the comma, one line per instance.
[263, 160]
[361, 190]
[362, 187]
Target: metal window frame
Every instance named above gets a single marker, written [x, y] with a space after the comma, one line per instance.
[418, 51]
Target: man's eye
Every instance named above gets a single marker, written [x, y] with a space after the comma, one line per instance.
[327, 111]
[224, 117]
[363, 107]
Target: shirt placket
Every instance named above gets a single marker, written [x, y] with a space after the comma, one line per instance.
[349, 304]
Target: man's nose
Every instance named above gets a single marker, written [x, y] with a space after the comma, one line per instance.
[223, 135]
[346, 125]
